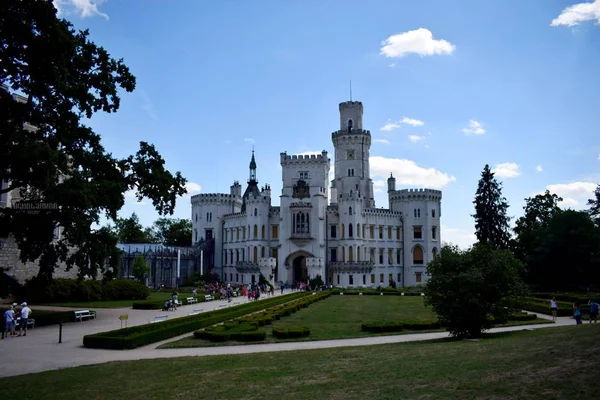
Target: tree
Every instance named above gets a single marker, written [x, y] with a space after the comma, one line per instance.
[173, 232]
[568, 252]
[595, 207]
[539, 210]
[140, 269]
[130, 230]
[468, 287]
[491, 221]
[47, 150]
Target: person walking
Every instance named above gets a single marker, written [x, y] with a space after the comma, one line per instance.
[553, 308]
[25, 313]
[9, 320]
[593, 311]
[577, 313]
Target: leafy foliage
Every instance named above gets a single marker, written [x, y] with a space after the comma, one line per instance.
[130, 230]
[173, 232]
[466, 288]
[47, 151]
[594, 204]
[316, 282]
[567, 252]
[491, 221]
[140, 268]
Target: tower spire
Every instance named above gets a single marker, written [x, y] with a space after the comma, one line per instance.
[252, 167]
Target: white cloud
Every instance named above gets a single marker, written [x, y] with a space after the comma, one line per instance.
[409, 173]
[392, 65]
[148, 106]
[192, 188]
[474, 128]
[382, 141]
[574, 194]
[507, 170]
[83, 8]
[459, 237]
[419, 41]
[578, 13]
[379, 182]
[391, 125]
[131, 199]
[378, 190]
[249, 140]
[598, 156]
[415, 138]
[411, 121]
[539, 168]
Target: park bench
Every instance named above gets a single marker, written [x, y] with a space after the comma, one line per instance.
[30, 322]
[196, 311]
[159, 318]
[178, 303]
[208, 297]
[83, 314]
[191, 300]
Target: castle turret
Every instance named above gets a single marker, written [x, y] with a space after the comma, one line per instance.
[252, 188]
[236, 189]
[391, 183]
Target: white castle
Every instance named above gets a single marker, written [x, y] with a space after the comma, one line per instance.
[345, 239]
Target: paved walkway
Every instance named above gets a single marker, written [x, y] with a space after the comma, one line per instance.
[40, 351]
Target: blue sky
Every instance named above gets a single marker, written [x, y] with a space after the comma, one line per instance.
[447, 86]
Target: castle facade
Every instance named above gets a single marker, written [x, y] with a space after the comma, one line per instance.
[345, 239]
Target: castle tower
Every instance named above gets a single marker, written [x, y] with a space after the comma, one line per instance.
[252, 188]
[352, 149]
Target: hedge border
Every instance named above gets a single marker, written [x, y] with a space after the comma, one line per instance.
[141, 335]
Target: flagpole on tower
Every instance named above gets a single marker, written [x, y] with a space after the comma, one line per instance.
[351, 90]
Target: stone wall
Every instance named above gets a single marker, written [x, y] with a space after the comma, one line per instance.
[9, 261]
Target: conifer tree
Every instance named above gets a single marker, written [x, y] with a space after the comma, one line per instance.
[491, 221]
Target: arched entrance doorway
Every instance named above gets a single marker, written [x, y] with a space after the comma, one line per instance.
[300, 270]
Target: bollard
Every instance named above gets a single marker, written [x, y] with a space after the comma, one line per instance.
[60, 332]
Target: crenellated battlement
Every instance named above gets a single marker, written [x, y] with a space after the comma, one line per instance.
[215, 198]
[304, 158]
[381, 212]
[351, 105]
[357, 134]
[416, 195]
[262, 199]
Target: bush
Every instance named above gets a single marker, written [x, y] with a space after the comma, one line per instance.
[421, 325]
[61, 290]
[45, 318]
[291, 332]
[379, 327]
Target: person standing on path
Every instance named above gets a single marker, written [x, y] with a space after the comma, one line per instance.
[175, 296]
[9, 321]
[577, 313]
[553, 308]
[593, 311]
[25, 313]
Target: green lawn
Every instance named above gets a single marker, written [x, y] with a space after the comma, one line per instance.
[158, 296]
[340, 317]
[556, 363]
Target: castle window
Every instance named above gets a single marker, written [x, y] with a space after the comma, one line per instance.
[418, 255]
[434, 253]
[349, 210]
[275, 232]
[399, 278]
[196, 217]
[333, 255]
[207, 214]
[372, 278]
[350, 230]
[432, 213]
[351, 279]
[380, 278]
[417, 234]
[304, 175]
[397, 233]
[380, 232]
[262, 236]
[333, 231]
[350, 125]
[262, 251]
[390, 257]
[343, 231]
[371, 232]
[255, 232]
[389, 233]
[364, 279]
[418, 277]
[357, 230]
[255, 212]
[255, 254]
[380, 256]
[195, 235]
[418, 213]
[351, 253]
[434, 233]
[398, 258]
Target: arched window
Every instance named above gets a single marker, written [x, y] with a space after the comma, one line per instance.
[255, 232]
[432, 213]
[357, 230]
[350, 230]
[255, 254]
[419, 213]
[418, 255]
[307, 224]
[350, 123]
[255, 212]
[343, 254]
[343, 231]
[351, 253]
[434, 253]
[350, 209]
[415, 213]
[262, 251]
[263, 232]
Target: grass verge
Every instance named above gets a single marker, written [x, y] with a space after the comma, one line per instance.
[341, 317]
[557, 363]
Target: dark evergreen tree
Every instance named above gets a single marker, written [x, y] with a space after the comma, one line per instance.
[491, 221]
[595, 207]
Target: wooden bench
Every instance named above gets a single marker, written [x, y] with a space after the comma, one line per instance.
[159, 318]
[30, 322]
[196, 311]
[83, 314]
[209, 297]
[192, 300]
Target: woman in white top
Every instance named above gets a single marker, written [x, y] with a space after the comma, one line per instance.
[553, 308]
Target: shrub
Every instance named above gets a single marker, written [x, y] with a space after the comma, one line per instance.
[255, 336]
[148, 305]
[379, 327]
[123, 289]
[421, 325]
[61, 290]
[291, 332]
[45, 318]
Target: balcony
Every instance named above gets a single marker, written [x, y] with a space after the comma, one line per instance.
[357, 267]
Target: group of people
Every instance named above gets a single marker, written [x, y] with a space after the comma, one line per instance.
[14, 317]
[576, 311]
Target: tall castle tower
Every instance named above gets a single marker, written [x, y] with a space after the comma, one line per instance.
[352, 149]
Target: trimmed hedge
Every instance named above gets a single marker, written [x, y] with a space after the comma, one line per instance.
[378, 327]
[45, 318]
[141, 335]
[70, 290]
[292, 332]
